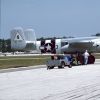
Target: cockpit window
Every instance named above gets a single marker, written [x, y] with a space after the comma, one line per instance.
[64, 43]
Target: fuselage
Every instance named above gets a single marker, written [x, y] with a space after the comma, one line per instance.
[21, 40]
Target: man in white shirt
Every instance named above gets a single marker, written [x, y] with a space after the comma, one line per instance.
[86, 55]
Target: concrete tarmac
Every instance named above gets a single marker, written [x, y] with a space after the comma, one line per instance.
[76, 83]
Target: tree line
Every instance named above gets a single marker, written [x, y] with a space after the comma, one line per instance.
[5, 45]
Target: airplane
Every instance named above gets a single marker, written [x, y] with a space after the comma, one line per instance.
[25, 40]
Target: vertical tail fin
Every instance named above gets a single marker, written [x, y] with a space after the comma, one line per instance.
[18, 39]
[23, 40]
[30, 39]
[30, 35]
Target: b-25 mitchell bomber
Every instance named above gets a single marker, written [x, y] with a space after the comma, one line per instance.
[26, 41]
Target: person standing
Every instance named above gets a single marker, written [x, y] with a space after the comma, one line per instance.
[86, 55]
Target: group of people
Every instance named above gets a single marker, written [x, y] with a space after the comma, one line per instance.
[84, 57]
[80, 58]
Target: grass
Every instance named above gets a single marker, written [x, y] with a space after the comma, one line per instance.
[8, 57]
[97, 56]
[23, 61]
[14, 62]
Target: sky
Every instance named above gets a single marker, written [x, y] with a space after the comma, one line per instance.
[51, 18]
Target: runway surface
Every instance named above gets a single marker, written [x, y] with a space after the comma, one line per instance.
[77, 83]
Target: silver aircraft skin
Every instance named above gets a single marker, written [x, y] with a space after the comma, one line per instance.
[27, 42]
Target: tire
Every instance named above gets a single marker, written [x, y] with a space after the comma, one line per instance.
[59, 66]
[70, 66]
[62, 65]
[50, 67]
